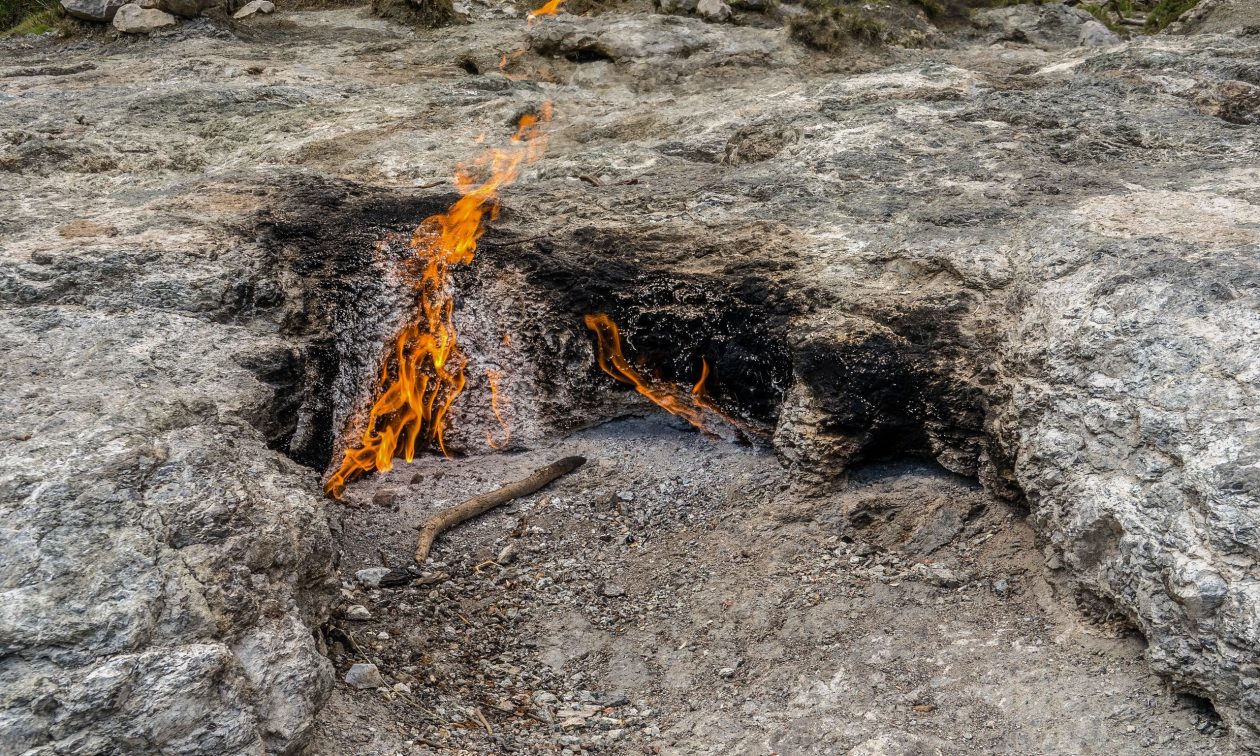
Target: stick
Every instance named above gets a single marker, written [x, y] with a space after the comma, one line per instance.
[477, 505]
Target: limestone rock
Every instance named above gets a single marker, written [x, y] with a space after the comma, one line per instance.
[133, 19]
[1051, 26]
[255, 6]
[713, 10]
[93, 10]
[1217, 17]
[371, 577]
[187, 8]
[1095, 34]
[365, 677]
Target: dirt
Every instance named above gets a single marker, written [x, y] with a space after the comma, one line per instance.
[679, 594]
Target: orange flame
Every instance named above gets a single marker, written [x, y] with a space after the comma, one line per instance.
[493, 376]
[424, 373]
[692, 406]
[550, 9]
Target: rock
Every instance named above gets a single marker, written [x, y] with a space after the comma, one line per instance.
[133, 19]
[188, 8]
[93, 10]
[612, 590]
[940, 575]
[254, 6]
[1051, 26]
[677, 7]
[726, 673]
[357, 612]
[386, 497]
[713, 10]
[1217, 17]
[689, 43]
[364, 677]
[1001, 586]
[372, 576]
[1095, 34]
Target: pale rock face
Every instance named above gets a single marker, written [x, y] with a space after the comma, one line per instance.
[255, 6]
[1065, 243]
[134, 19]
[1051, 26]
[713, 10]
[1095, 34]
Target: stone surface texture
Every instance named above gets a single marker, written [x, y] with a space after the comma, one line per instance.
[1036, 264]
[133, 19]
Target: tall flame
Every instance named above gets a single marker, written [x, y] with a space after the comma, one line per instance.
[691, 405]
[550, 9]
[424, 373]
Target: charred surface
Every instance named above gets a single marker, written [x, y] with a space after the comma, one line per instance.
[671, 320]
[339, 245]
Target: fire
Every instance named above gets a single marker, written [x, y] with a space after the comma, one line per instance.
[424, 372]
[550, 9]
[493, 377]
[691, 405]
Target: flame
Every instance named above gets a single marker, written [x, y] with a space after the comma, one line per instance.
[550, 9]
[493, 377]
[693, 406]
[424, 372]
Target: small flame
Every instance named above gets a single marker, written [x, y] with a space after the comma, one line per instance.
[424, 372]
[550, 9]
[692, 406]
[493, 377]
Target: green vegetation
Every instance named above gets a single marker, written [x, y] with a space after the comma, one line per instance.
[1100, 13]
[428, 14]
[29, 16]
[837, 27]
[1165, 12]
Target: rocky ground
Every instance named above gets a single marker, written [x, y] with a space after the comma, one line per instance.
[992, 302]
[675, 596]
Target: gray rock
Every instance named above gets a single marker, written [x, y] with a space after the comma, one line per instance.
[687, 43]
[612, 590]
[371, 577]
[133, 19]
[365, 677]
[1051, 26]
[254, 6]
[357, 612]
[713, 10]
[1217, 17]
[1095, 34]
[188, 8]
[93, 10]
[677, 7]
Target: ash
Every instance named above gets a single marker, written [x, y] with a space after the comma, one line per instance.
[678, 595]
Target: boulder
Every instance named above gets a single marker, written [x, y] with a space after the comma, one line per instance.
[255, 6]
[93, 10]
[364, 677]
[188, 8]
[1050, 27]
[133, 19]
[1095, 34]
[713, 10]
[1217, 17]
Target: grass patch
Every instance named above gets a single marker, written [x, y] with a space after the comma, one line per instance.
[1165, 12]
[428, 14]
[837, 27]
[29, 16]
[1098, 12]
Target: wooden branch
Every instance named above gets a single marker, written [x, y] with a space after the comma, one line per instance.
[477, 505]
